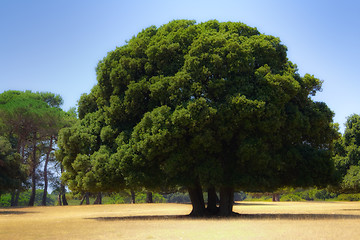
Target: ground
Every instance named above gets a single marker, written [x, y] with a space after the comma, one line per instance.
[256, 220]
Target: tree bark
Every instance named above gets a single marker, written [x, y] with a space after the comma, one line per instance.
[43, 201]
[63, 196]
[12, 201]
[226, 201]
[212, 201]
[197, 201]
[276, 197]
[33, 187]
[98, 199]
[17, 196]
[149, 197]
[86, 199]
[33, 175]
[133, 197]
[59, 199]
[62, 188]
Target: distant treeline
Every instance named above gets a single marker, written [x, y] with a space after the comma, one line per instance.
[180, 197]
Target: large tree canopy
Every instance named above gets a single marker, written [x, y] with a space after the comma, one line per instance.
[215, 106]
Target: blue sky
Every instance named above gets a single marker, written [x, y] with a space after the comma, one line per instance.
[55, 45]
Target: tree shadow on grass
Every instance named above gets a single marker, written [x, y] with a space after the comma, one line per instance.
[260, 216]
[13, 212]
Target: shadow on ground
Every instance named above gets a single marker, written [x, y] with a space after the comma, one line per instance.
[265, 216]
[13, 212]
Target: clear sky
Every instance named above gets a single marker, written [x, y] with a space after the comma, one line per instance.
[55, 45]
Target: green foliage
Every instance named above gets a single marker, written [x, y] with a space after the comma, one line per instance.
[140, 197]
[211, 104]
[347, 155]
[349, 197]
[177, 197]
[26, 120]
[291, 198]
[5, 200]
[12, 171]
[157, 198]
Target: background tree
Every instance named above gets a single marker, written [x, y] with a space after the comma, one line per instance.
[347, 155]
[31, 120]
[214, 106]
[13, 172]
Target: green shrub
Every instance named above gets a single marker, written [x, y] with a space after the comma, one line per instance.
[5, 200]
[291, 197]
[348, 197]
[178, 197]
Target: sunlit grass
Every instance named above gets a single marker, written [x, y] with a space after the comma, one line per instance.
[257, 220]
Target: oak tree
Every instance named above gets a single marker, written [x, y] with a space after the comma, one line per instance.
[210, 106]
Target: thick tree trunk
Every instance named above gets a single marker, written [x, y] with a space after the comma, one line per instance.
[197, 201]
[43, 201]
[149, 197]
[98, 199]
[212, 201]
[59, 199]
[133, 197]
[276, 197]
[226, 201]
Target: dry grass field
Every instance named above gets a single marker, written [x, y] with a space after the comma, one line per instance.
[257, 220]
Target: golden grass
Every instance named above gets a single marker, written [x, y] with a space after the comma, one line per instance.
[257, 220]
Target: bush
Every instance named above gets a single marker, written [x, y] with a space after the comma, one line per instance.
[177, 197]
[157, 198]
[315, 194]
[291, 197]
[116, 198]
[348, 197]
[5, 200]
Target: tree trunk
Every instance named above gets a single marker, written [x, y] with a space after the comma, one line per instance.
[149, 197]
[17, 196]
[197, 201]
[43, 201]
[62, 188]
[276, 197]
[12, 201]
[133, 197]
[33, 188]
[33, 177]
[64, 201]
[86, 199]
[212, 201]
[98, 199]
[226, 201]
[59, 199]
